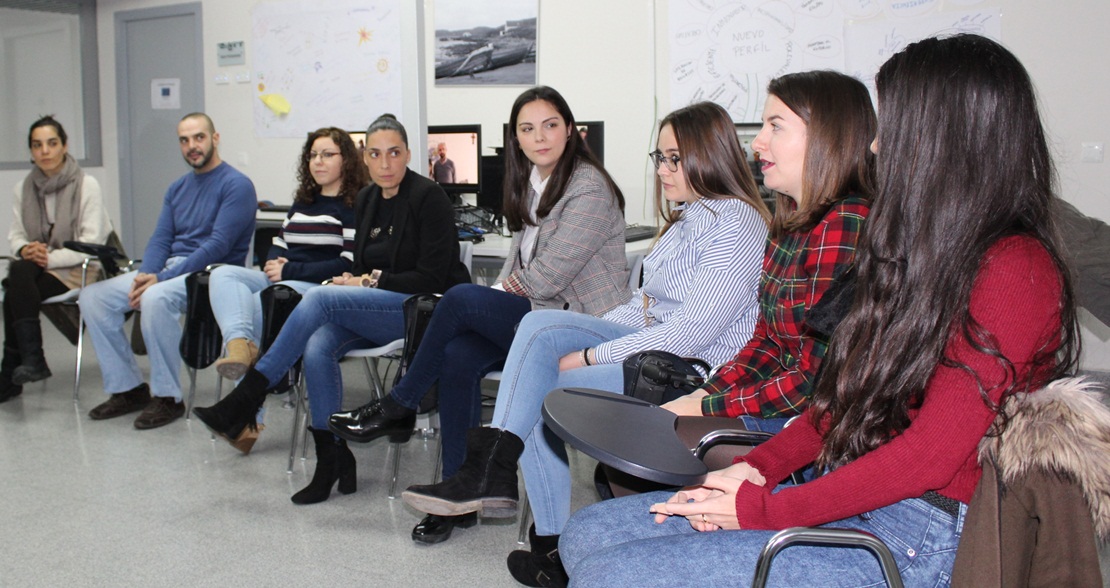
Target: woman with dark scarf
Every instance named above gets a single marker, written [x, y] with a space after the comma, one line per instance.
[55, 203]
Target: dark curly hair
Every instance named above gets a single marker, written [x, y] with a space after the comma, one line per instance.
[354, 173]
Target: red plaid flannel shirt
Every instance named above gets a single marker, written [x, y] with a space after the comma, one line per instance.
[772, 375]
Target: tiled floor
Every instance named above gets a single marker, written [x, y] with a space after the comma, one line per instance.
[86, 503]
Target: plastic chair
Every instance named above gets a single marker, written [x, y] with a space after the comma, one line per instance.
[201, 340]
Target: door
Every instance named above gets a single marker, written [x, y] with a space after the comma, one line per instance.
[154, 44]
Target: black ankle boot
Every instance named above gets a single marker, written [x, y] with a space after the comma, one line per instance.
[11, 360]
[334, 461]
[541, 566]
[485, 483]
[237, 410]
[378, 418]
[436, 529]
[28, 334]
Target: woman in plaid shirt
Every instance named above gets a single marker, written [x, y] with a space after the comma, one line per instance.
[814, 152]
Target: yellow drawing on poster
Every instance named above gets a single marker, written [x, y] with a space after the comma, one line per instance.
[277, 103]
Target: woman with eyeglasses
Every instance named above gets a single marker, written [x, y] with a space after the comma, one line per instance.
[55, 203]
[404, 244]
[315, 242]
[698, 299]
[567, 253]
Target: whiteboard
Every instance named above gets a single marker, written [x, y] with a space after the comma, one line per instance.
[320, 64]
[726, 51]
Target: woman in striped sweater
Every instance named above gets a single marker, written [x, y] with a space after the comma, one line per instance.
[698, 299]
[316, 242]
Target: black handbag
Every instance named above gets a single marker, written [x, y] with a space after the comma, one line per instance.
[659, 377]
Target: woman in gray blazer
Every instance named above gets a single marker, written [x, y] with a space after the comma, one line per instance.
[567, 217]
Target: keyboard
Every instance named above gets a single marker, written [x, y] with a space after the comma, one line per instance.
[639, 233]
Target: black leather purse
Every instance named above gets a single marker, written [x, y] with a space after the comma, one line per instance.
[418, 310]
[659, 377]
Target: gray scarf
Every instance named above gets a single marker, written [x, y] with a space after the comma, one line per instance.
[66, 184]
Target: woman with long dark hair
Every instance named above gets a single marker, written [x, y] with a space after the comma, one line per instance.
[962, 300]
[567, 219]
[55, 203]
[405, 244]
[316, 242]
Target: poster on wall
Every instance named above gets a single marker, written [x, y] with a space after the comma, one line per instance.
[726, 51]
[322, 64]
[486, 42]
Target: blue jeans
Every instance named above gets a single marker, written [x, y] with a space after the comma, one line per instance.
[469, 335]
[103, 306]
[329, 322]
[617, 543]
[531, 371]
[236, 304]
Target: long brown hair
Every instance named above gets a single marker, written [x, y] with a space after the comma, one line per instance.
[840, 125]
[933, 220]
[712, 160]
[518, 167]
[354, 172]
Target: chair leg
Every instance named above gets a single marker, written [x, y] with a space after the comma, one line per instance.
[439, 461]
[396, 449]
[80, 350]
[371, 365]
[525, 517]
[298, 427]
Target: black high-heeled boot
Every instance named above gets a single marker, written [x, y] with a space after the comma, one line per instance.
[541, 566]
[28, 334]
[485, 483]
[334, 461]
[237, 410]
[11, 360]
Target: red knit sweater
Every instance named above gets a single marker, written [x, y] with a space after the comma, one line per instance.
[1016, 297]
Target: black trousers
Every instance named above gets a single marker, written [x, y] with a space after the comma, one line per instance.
[26, 286]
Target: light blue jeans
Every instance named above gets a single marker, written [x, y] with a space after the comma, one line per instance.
[103, 306]
[329, 322]
[617, 543]
[236, 304]
[531, 371]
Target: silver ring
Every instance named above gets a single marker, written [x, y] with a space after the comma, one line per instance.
[703, 519]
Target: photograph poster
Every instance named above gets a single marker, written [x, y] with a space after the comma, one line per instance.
[486, 42]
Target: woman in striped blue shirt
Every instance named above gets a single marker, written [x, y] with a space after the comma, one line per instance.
[698, 300]
[316, 242]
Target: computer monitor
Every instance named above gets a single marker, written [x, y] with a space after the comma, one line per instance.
[359, 137]
[592, 131]
[454, 157]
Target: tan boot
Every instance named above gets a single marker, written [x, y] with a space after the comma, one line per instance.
[241, 355]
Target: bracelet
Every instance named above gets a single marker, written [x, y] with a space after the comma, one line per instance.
[586, 356]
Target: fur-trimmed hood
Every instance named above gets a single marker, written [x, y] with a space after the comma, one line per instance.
[1063, 429]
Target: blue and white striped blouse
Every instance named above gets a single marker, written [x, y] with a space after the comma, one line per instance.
[701, 281]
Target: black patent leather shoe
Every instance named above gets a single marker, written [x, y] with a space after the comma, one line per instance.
[368, 422]
[436, 529]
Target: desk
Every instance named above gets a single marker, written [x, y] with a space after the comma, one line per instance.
[628, 434]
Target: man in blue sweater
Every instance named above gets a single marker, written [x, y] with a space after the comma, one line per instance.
[207, 217]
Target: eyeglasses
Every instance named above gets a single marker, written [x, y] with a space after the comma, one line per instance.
[323, 155]
[671, 161]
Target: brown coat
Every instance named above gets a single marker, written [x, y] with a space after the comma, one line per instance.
[1044, 494]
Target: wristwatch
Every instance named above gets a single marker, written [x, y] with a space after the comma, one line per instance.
[371, 280]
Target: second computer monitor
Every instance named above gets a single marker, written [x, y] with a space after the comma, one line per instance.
[455, 157]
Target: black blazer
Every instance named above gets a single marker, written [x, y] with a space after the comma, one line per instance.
[424, 251]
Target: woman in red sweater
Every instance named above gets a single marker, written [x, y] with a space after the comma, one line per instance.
[962, 300]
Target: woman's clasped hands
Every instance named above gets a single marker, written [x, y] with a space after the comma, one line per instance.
[712, 504]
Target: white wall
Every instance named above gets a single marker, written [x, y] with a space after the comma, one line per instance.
[609, 59]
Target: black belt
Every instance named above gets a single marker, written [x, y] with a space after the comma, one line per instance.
[948, 505]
